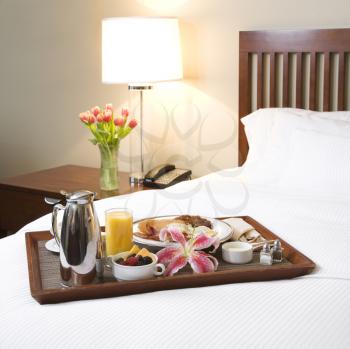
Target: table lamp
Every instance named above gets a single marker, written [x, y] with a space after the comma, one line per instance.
[139, 51]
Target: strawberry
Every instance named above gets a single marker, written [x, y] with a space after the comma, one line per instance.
[132, 261]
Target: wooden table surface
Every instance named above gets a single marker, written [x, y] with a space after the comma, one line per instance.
[22, 197]
[68, 178]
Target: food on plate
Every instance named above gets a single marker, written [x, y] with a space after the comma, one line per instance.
[188, 225]
[195, 221]
[150, 228]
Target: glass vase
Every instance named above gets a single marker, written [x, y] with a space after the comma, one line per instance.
[109, 177]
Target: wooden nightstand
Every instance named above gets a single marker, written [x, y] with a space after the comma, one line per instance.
[22, 197]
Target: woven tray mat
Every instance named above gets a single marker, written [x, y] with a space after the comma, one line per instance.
[51, 278]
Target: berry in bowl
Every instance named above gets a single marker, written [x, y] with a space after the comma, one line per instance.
[143, 265]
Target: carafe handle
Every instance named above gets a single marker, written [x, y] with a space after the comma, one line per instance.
[54, 222]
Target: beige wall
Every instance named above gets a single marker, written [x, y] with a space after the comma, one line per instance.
[50, 71]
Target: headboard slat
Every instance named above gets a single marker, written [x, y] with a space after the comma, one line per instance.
[326, 81]
[299, 81]
[341, 81]
[260, 80]
[313, 86]
[326, 43]
[245, 89]
[285, 80]
[273, 95]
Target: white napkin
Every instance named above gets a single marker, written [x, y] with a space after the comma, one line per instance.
[242, 231]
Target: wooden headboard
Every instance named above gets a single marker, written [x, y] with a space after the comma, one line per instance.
[306, 69]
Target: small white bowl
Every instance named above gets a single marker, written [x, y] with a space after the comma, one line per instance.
[237, 252]
[137, 272]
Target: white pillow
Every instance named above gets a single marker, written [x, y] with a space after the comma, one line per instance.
[259, 124]
[319, 164]
[271, 163]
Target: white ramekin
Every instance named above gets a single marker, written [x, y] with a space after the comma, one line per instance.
[237, 252]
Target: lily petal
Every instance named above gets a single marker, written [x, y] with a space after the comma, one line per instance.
[212, 258]
[176, 235]
[201, 263]
[203, 241]
[168, 253]
[163, 234]
[175, 265]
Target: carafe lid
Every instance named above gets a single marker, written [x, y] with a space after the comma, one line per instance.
[80, 197]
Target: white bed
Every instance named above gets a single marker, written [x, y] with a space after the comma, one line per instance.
[308, 312]
[312, 311]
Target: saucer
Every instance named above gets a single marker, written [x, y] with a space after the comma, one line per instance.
[52, 246]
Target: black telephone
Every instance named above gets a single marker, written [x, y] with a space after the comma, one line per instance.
[165, 175]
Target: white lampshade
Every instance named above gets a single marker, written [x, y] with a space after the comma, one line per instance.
[140, 50]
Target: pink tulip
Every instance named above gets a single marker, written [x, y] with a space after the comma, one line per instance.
[99, 118]
[95, 110]
[109, 106]
[132, 123]
[125, 112]
[84, 117]
[87, 118]
[119, 122]
[92, 119]
[107, 117]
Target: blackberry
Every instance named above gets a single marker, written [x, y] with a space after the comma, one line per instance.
[120, 261]
[147, 260]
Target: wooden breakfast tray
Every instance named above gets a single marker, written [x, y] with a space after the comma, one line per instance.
[45, 287]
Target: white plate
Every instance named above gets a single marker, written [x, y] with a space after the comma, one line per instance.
[52, 246]
[223, 229]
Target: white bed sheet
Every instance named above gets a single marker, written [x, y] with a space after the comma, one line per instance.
[308, 312]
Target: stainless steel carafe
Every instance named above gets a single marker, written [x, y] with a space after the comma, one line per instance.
[78, 239]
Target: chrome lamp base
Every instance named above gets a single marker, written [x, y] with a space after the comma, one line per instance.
[136, 178]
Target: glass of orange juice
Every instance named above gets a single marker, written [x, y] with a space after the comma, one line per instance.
[119, 232]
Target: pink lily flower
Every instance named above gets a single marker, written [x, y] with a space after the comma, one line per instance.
[95, 111]
[132, 123]
[176, 257]
[119, 122]
[125, 113]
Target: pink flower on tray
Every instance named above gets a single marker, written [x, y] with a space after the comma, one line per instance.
[176, 257]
